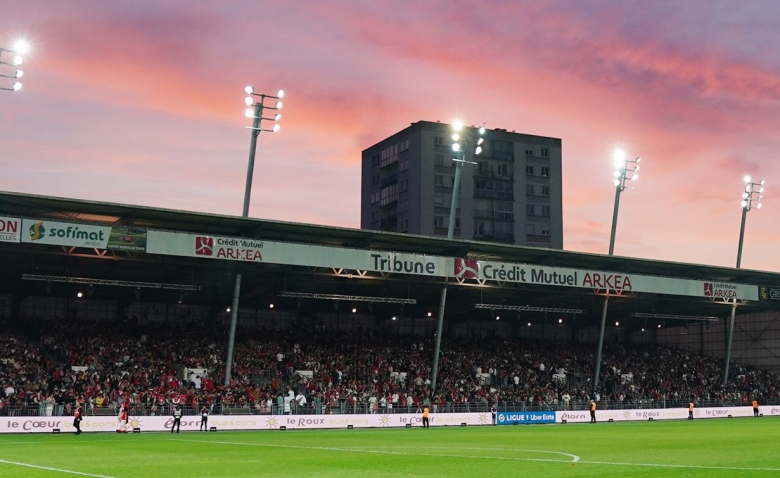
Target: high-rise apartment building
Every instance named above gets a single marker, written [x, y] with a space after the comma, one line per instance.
[512, 194]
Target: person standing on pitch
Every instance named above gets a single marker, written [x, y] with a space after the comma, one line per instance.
[122, 428]
[593, 411]
[204, 419]
[690, 410]
[755, 408]
[425, 418]
[77, 420]
[176, 419]
[493, 414]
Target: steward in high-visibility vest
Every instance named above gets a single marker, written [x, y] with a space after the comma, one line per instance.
[690, 410]
[593, 411]
[425, 418]
[755, 408]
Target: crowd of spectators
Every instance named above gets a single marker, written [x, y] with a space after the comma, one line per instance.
[48, 367]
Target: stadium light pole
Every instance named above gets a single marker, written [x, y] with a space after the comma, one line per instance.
[460, 144]
[20, 48]
[625, 170]
[254, 110]
[751, 199]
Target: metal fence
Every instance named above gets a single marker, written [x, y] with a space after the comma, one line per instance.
[344, 407]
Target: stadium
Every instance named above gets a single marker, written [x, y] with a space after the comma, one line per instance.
[109, 307]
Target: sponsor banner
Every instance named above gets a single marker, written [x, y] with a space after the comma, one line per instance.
[599, 280]
[524, 418]
[127, 238]
[252, 250]
[583, 416]
[241, 422]
[83, 235]
[769, 293]
[10, 229]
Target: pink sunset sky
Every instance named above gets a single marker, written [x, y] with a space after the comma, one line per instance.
[141, 102]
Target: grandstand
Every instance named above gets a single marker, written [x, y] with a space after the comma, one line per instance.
[108, 304]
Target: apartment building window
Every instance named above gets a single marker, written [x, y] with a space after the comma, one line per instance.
[545, 231]
[438, 140]
[374, 179]
[546, 191]
[545, 152]
[529, 209]
[403, 226]
[529, 170]
[502, 170]
[545, 171]
[375, 160]
[438, 159]
[529, 151]
[438, 180]
[529, 189]
[375, 198]
[438, 221]
[438, 200]
[403, 185]
[546, 211]
[403, 165]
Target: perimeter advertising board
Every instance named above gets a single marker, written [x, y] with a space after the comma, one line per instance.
[392, 420]
[9, 229]
[769, 293]
[245, 422]
[70, 234]
[259, 251]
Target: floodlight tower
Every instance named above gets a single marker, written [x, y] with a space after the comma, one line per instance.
[20, 48]
[254, 110]
[463, 140]
[751, 199]
[625, 170]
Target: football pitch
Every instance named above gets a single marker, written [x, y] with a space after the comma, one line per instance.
[711, 448]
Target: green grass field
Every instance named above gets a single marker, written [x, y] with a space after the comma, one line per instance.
[711, 448]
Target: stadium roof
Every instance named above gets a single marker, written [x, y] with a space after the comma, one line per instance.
[52, 208]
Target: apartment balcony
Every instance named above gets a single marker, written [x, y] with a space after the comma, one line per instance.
[388, 181]
[490, 194]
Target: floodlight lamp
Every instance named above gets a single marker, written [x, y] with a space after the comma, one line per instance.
[21, 46]
[393, 317]
[636, 168]
[619, 155]
[760, 190]
[744, 195]
[249, 113]
[744, 203]
[617, 174]
[80, 295]
[497, 317]
[634, 177]
[227, 310]
[659, 326]
[276, 127]
[456, 147]
[637, 160]
[248, 101]
[529, 324]
[249, 90]
[480, 141]
[478, 150]
[455, 136]
[758, 206]
[18, 60]
[354, 310]
[482, 130]
[280, 94]
[270, 306]
[762, 182]
[457, 125]
[277, 116]
[616, 182]
[278, 105]
[747, 179]
[19, 73]
[17, 86]
[617, 323]
[560, 321]
[749, 188]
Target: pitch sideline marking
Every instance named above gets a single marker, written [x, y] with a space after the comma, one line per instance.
[575, 458]
[660, 465]
[28, 465]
